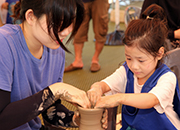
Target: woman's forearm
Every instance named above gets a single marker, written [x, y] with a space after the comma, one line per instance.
[20, 112]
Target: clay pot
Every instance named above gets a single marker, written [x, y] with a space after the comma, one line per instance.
[90, 119]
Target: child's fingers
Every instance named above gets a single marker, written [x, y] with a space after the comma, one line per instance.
[105, 119]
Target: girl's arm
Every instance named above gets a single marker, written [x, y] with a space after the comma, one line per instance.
[96, 91]
[139, 100]
[161, 94]
[115, 80]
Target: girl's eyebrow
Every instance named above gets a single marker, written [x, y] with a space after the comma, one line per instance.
[139, 57]
[126, 54]
[135, 57]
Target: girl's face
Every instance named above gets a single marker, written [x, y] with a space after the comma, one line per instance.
[140, 62]
[41, 33]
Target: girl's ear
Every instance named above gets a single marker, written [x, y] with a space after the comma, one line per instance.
[30, 17]
[160, 53]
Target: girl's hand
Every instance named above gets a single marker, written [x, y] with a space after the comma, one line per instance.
[138, 100]
[108, 101]
[94, 94]
[104, 120]
[70, 93]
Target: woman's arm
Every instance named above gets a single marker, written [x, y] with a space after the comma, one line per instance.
[20, 112]
[70, 93]
[17, 113]
[58, 115]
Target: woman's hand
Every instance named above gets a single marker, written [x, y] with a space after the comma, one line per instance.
[76, 118]
[70, 93]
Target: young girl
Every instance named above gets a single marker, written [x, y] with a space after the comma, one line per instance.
[32, 58]
[145, 86]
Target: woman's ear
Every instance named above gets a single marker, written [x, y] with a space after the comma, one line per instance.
[160, 53]
[30, 17]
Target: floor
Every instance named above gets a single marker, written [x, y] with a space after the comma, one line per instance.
[110, 59]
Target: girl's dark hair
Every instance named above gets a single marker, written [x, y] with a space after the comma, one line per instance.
[60, 14]
[149, 32]
[154, 11]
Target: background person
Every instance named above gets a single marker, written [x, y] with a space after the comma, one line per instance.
[97, 10]
[9, 5]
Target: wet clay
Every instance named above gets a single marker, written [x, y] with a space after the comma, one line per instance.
[90, 119]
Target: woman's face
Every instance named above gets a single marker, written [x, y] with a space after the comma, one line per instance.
[41, 34]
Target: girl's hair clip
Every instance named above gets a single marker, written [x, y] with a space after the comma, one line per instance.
[149, 17]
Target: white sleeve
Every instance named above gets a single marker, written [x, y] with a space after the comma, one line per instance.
[164, 91]
[117, 81]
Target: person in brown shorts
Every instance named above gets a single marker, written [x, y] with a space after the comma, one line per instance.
[97, 10]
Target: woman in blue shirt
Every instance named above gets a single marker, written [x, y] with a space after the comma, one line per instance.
[32, 61]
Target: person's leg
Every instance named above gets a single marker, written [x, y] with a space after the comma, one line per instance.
[79, 39]
[95, 66]
[100, 27]
[78, 48]
[77, 63]
[98, 48]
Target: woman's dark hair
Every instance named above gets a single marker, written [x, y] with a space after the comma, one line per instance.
[60, 14]
[149, 32]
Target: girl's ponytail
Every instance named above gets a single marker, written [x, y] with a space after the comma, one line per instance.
[154, 11]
